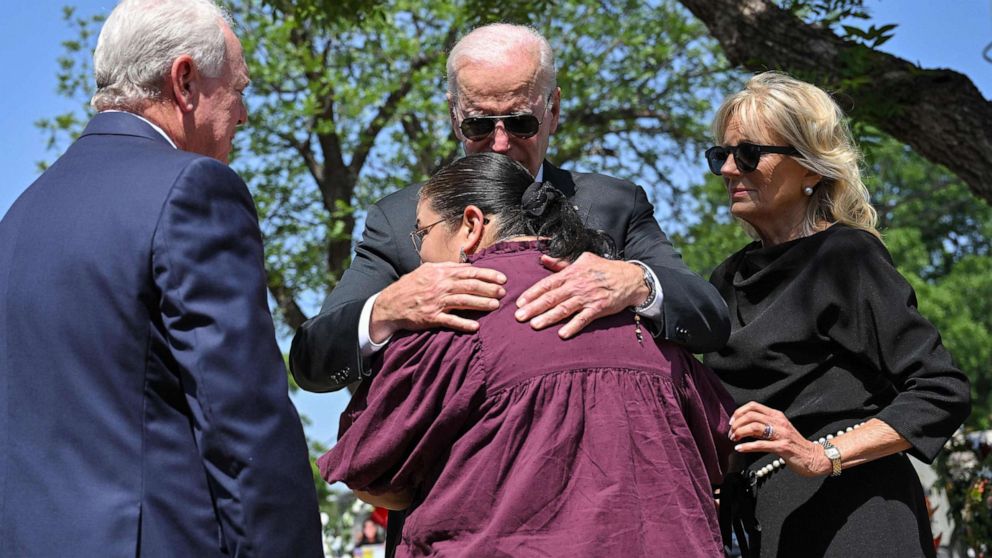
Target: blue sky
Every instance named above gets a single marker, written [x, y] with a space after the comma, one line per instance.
[949, 34]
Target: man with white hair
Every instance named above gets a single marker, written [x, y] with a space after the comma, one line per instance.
[503, 97]
[143, 399]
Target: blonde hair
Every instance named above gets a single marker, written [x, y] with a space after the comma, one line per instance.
[807, 118]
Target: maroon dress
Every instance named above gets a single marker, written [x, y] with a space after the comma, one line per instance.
[517, 443]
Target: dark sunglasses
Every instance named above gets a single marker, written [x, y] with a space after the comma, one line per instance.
[746, 155]
[521, 124]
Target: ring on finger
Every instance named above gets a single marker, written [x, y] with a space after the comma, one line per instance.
[768, 433]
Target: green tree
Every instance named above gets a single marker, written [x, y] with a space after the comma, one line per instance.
[345, 108]
[939, 236]
[939, 112]
[347, 104]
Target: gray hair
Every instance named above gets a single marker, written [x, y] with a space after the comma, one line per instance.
[141, 39]
[497, 42]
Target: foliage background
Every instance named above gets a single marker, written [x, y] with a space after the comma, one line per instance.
[347, 104]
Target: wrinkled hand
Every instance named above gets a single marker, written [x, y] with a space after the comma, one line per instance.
[426, 297]
[803, 456]
[589, 288]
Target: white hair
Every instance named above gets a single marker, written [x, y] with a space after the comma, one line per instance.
[498, 42]
[141, 39]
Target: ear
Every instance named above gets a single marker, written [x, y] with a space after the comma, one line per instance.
[451, 116]
[473, 229]
[811, 178]
[184, 83]
[555, 111]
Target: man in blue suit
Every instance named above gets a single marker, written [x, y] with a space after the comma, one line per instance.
[143, 400]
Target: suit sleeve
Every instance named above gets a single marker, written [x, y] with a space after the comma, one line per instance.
[324, 355]
[694, 314]
[208, 266]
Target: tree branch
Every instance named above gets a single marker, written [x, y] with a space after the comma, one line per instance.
[388, 109]
[285, 298]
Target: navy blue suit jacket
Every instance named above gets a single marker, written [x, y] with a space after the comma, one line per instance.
[143, 400]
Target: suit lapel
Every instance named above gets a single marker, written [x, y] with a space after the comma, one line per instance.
[561, 179]
[565, 181]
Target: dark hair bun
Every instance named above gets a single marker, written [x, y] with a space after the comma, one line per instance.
[538, 196]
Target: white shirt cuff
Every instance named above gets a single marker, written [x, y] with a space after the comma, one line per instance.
[654, 310]
[366, 346]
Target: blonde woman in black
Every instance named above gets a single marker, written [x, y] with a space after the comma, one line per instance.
[837, 376]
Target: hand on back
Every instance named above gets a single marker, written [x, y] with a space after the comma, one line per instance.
[589, 288]
[429, 296]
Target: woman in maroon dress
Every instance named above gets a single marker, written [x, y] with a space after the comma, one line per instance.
[514, 442]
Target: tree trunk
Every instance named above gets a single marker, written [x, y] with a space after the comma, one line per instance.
[939, 113]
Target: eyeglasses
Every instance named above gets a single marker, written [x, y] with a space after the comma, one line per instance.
[520, 124]
[418, 235]
[746, 155]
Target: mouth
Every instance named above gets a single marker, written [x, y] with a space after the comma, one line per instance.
[739, 192]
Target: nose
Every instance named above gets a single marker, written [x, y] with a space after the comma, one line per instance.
[729, 167]
[501, 139]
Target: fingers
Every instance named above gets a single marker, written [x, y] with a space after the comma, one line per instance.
[539, 289]
[478, 288]
[577, 323]
[423, 298]
[450, 279]
[468, 271]
[752, 406]
[753, 420]
[778, 447]
[468, 302]
[457, 323]
[549, 308]
[554, 264]
[587, 289]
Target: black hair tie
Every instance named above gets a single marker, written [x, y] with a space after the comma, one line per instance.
[538, 196]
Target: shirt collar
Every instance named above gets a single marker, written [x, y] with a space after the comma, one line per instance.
[150, 123]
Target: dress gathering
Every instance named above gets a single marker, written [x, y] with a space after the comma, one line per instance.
[515, 442]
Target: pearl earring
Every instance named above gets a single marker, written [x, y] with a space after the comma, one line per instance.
[808, 191]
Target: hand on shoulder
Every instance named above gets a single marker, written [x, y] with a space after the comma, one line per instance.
[428, 296]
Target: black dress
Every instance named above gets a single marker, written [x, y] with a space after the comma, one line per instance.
[826, 330]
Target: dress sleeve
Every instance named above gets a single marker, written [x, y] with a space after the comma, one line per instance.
[707, 407]
[874, 316]
[397, 428]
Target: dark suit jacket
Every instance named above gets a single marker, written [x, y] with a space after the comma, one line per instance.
[324, 355]
[143, 400]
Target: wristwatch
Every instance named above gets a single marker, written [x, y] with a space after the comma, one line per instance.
[833, 454]
[649, 283]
